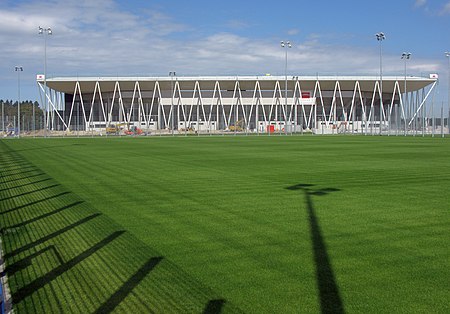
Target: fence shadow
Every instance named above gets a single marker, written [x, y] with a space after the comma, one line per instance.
[109, 305]
[62, 255]
[26, 262]
[38, 283]
[329, 295]
[50, 236]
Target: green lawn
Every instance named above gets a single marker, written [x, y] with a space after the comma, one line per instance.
[355, 224]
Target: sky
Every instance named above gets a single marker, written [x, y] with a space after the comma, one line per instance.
[213, 38]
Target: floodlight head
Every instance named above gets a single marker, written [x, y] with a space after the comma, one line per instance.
[18, 68]
[406, 55]
[447, 54]
[380, 36]
[282, 44]
[49, 31]
[41, 30]
[289, 44]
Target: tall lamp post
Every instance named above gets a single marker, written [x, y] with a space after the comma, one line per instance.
[405, 56]
[380, 37]
[45, 32]
[18, 69]
[172, 74]
[447, 54]
[286, 45]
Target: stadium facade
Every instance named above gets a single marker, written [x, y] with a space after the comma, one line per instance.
[265, 104]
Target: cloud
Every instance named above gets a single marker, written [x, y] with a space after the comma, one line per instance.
[237, 24]
[420, 3]
[438, 9]
[446, 9]
[95, 38]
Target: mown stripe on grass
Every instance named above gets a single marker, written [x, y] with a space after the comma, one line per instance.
[63, 255]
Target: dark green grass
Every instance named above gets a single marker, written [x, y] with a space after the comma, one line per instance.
[260, 224]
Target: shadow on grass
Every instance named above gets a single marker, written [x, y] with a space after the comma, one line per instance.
[114, 300]
[25, 262]
[61, 254]
[50, 236]
[18, 170]
[38, 283]
[214, 306]
[34, 202]
[15, 173]
[330, 299]
[25, 184]
[48, 214]
[29, 192]
[22, 178]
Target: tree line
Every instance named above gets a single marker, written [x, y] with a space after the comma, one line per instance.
[9, 114]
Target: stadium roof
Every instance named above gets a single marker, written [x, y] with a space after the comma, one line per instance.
[87, 84]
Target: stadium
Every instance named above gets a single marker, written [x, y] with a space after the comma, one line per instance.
[227, 224]
[251, 104]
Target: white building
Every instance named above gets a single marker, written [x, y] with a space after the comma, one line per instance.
[237, 104]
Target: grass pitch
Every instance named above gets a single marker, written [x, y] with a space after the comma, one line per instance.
[232, 224]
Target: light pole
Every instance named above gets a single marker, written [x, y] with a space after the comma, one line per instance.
[172, 74]
[18, 69]
[447, 54]
[45, 32]
[3, 117]
[405, 56]
[286, 45]
[380, 37]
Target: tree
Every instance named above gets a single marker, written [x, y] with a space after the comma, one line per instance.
[9, 114]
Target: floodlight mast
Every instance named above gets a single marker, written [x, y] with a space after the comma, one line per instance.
[45, 32]
[18, 69]
[380, 37]
[405, 56]
[447, 54]
[286, 45]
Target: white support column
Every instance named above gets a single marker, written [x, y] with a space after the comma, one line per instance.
[221, 104]
[241, 103]
[318, 90]
[353, 102]
[341, 98]
[216, 102]
[71, 107]
[142, 109]
[180, 103]
[110, 117]
[121, 106]
[262, 104]
[254, 103]
[156, 91]
[276, 102]
[333, 105]
[423, 102]
[200, 101]
[102, 105]
[92, 108]
[49, 100]
[234, 105]
[82, 102]
[130, 113]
